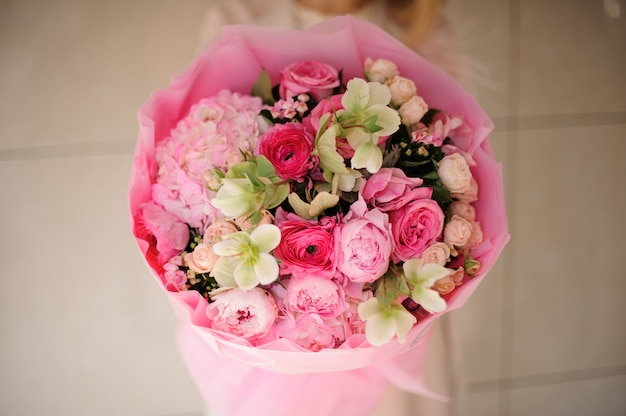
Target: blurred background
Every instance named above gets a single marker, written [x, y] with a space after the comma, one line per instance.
[86, 330]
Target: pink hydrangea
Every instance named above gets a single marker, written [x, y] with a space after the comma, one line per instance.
[214, 129]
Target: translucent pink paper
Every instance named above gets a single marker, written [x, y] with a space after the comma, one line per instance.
[281, 377]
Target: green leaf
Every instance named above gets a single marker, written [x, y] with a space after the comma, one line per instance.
[263, 88]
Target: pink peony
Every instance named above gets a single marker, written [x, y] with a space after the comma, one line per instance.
[311, 294]
[312, 332]
[415, 227]
[170, 233]
[249, 314]
[366, 243]
[308, 247]
[288, 147]
[390, 189]
[315, 78]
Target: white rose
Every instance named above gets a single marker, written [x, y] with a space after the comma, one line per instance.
[412, 111]
[380, 70]
[455, 174]
[402, 89]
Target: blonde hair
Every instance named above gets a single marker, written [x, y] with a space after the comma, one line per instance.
[415, 17]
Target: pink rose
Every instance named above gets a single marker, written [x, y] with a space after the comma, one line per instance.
[316, 78]
[249, 314]
[390, 189]
[288, 147]
[457, 231]
[308, 247]
[313, 294]
[476, 238]
[415, 226]
[171, 234]
[202, 259]
[366, 243]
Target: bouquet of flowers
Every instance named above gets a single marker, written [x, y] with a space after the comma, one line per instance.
[313, 210]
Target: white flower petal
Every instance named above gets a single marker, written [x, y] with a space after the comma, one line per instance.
[228, 247]
[380, 329]
[266, 268]
[430, 273]
[404, 321]
[223, 272]
[429, 300]
[369, 309]
[265, 237]
[367, 156]
[245, 276]
[356, 96]
[379, 94]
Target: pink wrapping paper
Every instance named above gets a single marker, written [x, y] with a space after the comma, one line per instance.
[280, 377]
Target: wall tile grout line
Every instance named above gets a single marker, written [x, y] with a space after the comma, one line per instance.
[63, 151]
[547, 379]
[508, 286]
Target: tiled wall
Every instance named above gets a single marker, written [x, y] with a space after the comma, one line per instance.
[85, 331]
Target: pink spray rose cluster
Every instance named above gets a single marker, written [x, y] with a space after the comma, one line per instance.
[316, 214]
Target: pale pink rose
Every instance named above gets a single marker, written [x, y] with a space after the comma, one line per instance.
[218, 228]
[311, 331]
[315, 78]
[415, 227]
[444, 285]
[412, 111]
[455, 173]
[476, 238]
[202, 259]
[390, 189]
[308, 247]
[470, 195]
[244, 222]
[438, 253]
[457, 231]
[366, 243]
[311, 294]
[402, 89]
[458, 275]
[463, 210]
[170, 233]
[380, 70]
[249, 314]
[288, 147]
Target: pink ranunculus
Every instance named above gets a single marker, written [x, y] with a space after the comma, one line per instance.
[327, 106]
[308, 247]
[311, 331]
[390, 189]
[171, 234]
[415, 226]
[315, 78]
[288, 147]
[366, 243]
[312, 294]
[249, 314]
